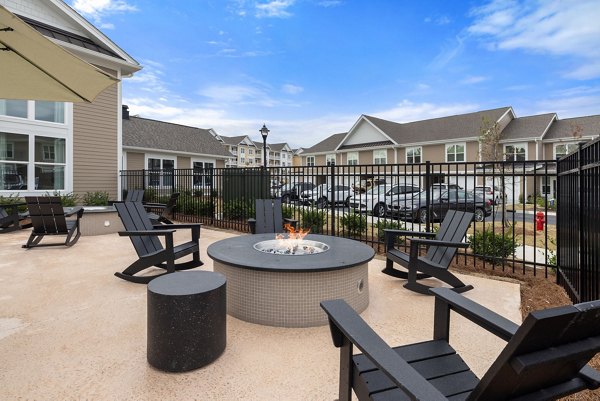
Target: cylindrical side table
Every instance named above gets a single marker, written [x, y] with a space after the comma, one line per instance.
[186, 320]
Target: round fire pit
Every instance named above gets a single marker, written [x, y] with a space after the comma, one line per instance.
[270, 286]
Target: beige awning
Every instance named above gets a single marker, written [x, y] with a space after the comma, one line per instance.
[33, 67]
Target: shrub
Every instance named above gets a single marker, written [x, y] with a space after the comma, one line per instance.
[491, 246]
[287, 211]
[354, 223]
[98, 198]
[196, 207]
[238, 209]
[67, 199]
[313, 220]
[11, 200]
[383, 224]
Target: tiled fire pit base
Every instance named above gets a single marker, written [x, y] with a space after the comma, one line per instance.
[284, 290]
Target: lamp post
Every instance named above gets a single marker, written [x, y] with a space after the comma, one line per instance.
[264, 131]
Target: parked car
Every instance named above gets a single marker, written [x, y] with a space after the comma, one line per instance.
[365, 185]
[322, 195]
[378, 200]
[291, 192]
[444, 186]
[491, 193]
[440, 202]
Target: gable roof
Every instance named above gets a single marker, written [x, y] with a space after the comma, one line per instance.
[278, 147]
[438, 129]
[528, 127]
[564, 129]
[141, 132]
[328, 144]
[233, 140]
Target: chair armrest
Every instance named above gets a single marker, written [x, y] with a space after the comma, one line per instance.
[397, 233]
[347, 326]
[291, 222]
[75, 210]
[446, 300]
[174, 226]
[154, 204]
[453, 244]
[146, 233]
[252, 225]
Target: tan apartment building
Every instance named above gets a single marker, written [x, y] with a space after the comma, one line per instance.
[61, 146]
[374, 141]
[246, 153]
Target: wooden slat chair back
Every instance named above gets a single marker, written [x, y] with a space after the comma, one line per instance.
[546, 354]
[163, 212]
[151, 252]
[442, 248]
[269, 217]
[544, 359]
[134, 195]
[48, 218]
[453, 229]
[135, 218]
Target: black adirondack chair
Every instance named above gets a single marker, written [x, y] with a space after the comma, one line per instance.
[269, 218]
[545, 358]
[151, 252]
[9, 218]
[48, 217]
[162, 212]
[442, 248]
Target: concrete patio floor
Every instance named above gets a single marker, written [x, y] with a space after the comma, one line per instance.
[70, 330]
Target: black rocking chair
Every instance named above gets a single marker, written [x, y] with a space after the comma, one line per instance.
[151, 252]
[442, 248]
[48, 217]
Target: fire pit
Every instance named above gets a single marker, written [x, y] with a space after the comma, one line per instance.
[278, 284]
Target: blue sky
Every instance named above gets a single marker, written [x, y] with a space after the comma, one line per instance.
[310, 68]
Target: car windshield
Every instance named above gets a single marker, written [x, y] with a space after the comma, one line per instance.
[422, 196]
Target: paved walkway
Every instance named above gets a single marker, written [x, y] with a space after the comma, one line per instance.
[70, 330]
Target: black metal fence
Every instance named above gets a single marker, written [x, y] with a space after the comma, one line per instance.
[579, 229]
[360, 201]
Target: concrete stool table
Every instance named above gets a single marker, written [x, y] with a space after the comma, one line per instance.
[186, 320]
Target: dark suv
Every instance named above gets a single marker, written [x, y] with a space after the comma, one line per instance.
[291, 192]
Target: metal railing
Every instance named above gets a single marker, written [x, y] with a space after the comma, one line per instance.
[506, 229]
[579, 229]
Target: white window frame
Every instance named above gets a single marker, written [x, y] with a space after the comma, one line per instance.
[515, 145]
[310, 161]
[413, 149]
[330, 158]
[566, 145]
[352, 158]
[161, 179]
[464, 153]
[377, 156]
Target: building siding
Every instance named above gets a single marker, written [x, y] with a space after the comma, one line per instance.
[95, 145]
[135, 161]
[184, 162]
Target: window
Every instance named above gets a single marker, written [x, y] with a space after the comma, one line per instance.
[242, 151]
[515, 153]
[53, 112]
[545, 185]
[203, 174]
[161, 172]
[380, 156]
[310, 160]
[330, 159]
[352, 158]
[455, 153]
[250, 151]
[564, 149]
[50, 161]
[13, 108]
[413, 155]
[14, 158]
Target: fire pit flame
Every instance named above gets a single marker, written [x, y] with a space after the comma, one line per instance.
[294, 244]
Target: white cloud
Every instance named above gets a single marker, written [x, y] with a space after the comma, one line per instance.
[274, 9]
[440, 20]
[292, 89]
[559, 28]
[473, 80]
[330, 3]
[450, 50]
[407, 111]
[97, 10]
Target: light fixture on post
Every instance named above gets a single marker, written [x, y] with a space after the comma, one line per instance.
[264, 131]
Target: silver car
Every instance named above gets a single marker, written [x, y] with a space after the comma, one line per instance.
[323, 195]
[379, 200]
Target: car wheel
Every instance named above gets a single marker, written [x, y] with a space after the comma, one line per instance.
[347, 202]
[285, 199]
[423, 215]
[379, 210]
[321, 203]
[479, 214]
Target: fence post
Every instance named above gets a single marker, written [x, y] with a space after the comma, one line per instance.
[583, 270]
[211, 196]
[428, 189]
[333, 209]
[144, 179]
[558, 242]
